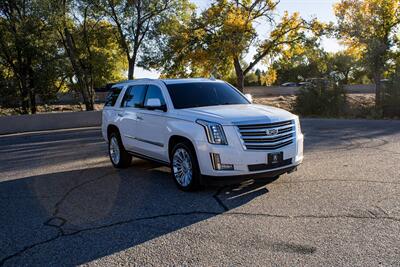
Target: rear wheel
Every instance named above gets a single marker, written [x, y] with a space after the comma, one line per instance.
[184, 167]
[119, 157]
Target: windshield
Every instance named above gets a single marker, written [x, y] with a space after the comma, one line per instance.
[202, 94]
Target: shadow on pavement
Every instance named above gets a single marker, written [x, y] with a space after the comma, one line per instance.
[74, 217]
[78, 216]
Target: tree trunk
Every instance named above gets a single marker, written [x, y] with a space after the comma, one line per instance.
[239, 75]
[90, 97]
[32, 91]
[132, 60]
[87, 93]
[85, 87]
[24, 97]
[240, 81]
[378, 95]
[89, 105]
[32, 97]
[131, 69]
[346, 78]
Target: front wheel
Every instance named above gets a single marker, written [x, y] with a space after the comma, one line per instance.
[118, 155]
[184, 167]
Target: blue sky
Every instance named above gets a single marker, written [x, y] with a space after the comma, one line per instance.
[321, 9]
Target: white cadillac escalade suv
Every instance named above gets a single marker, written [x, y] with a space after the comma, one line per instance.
[205, 130]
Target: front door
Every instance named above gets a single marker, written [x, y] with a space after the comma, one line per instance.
[151, 135]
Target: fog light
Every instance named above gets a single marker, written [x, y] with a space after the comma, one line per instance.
[217, 165]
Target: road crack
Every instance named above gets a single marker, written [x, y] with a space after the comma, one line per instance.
[196, 213]
[58, 222]
[72, 189]
[26, 248]
[55, 221]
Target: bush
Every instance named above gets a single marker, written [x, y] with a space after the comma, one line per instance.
[391, 98]
[324, 97]
[9, 97]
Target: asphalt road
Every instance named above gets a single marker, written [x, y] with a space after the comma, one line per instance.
[61, 203]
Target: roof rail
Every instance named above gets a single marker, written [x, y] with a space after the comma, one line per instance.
[127, 81]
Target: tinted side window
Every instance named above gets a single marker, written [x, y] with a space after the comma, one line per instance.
[154, 92]
[134, 96]
[112, 96]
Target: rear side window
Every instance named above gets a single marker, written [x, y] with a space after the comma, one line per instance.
[112, 96]
[134, 96]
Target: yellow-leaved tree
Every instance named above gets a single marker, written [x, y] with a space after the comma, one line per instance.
[370, 26]
[218, 39]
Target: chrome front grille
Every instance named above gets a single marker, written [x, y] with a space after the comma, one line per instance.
[255, 137]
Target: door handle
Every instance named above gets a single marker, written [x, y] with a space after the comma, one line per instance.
[139, 118]
[120, 115]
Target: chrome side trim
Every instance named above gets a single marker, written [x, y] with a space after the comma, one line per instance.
[149, 142]
[129, 136]
[144, 140]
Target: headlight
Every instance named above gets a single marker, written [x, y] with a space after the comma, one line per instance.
[214, 131]
[297, 122]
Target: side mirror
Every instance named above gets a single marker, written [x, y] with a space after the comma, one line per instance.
[155, 103]
[249, 97]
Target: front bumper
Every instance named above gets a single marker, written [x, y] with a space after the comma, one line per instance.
[243, 159]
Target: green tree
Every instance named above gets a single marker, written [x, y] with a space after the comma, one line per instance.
[345, 63]
[89, 43]
[391, 99]
[258, 74]
[136, 22]
[251, 79]
[371, 27]
[323, 97]
[8, 95]
[28, 51]
[300, 61]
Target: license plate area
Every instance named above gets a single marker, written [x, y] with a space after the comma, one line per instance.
[275, 159]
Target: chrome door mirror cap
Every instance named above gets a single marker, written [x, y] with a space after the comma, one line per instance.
[153, 103]
[249, 97]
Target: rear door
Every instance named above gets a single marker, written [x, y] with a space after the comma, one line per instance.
[110, 110]
[131, 103]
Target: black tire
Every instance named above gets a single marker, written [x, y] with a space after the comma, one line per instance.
[124, 159]
[194, 183]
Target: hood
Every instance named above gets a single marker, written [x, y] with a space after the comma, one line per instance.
[232, 114]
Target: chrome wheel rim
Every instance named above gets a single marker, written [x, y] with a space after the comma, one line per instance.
[114, 150]
[182, 167]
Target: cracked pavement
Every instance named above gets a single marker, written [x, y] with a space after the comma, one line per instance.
[62, 203]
